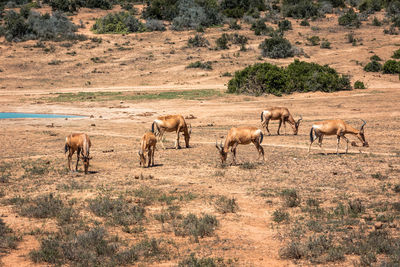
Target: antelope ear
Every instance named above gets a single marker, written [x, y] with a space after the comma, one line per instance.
[90, 157]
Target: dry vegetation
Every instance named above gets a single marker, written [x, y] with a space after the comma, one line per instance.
[189, 210]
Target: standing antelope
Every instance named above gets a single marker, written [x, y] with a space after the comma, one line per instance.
[148, 143]
[241, 136]
[171, 123]
[335, 127]
[79, 142]
[283, 115]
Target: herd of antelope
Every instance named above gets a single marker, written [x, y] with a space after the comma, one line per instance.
[236, 136]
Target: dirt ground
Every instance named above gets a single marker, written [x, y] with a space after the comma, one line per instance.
[156, 63]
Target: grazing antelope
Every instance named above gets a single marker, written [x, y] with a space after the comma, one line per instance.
[80, 143]
[171, 123]
[283, 115]
[148, 143]
[241, 136]
[338, 128]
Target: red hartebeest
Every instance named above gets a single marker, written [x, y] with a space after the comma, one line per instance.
[147, 144]
[171, 123]
[335, 127]
[79, 142]
[283, 115]
[241, 136]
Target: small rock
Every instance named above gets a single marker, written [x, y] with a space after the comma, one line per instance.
[334, 173]
[91, 116]
[93, 124]
[100, 116]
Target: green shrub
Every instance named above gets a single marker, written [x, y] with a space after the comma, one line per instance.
[237, 8]
[391, 67]
[299, 9]
[349, 19]
[193, 261]
[284, 25]
[370, 6]
[299, 76]
[198, 64]
[373, 66]
[396, 54]
[46, 206]
[198, 41]
[45, 27]
[226, 205]
[192, 15]
[359, 85]
[161, 9]
[260, 28]
[325, 44]
[195, 226]
[313, 40]
[304, 23]
[155, 25]
[375, 58]
[291, 197]
[8, 240]
[222, 42]
[276, 47]
[122, 22]
[280, 216]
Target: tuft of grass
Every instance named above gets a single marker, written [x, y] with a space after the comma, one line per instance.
[379, 176]
[280, 215]
[248, 166]
[291, 197]
[191, 225]
[46, 206]
[8, 240]
[193, 261]
[226, 205]
[119, 211]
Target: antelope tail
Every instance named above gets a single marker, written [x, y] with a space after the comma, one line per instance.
[312, 131]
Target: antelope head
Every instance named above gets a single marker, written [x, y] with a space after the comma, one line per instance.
[296, 125]
[86, 163]
[361, 135]
[222, 153]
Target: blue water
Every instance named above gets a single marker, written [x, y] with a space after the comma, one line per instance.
[13, 115]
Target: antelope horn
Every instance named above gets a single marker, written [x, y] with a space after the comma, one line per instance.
[362, 126]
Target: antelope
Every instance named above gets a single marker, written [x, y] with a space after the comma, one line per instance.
[283, 115]
[171, 123]
[147, 143]
[241, 136]
[79, 142]
[340, 129]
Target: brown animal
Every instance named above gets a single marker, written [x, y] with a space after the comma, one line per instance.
[147, 144]
[240, 136]
[338, 128]
[171, 123]
[79, 142]
[283, 115]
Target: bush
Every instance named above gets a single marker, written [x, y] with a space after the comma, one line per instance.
[313, 40]
[193, 16]
[7, 238]
[122, 22]
[161, 9]
[391, 67]
[373, 66]
[304, 23]
[46, 206]
[198, 64]
[196, 226]
[396, 54]
[299, 76]
[192, 261]
[222, 42]
[359, 85]
[198, 41]
[237, 8]
[260, 28]
[280, 216]
[291, 198]
[276, 47]
[284, 25]
[370, 6]
[226, 205]
[325, 44]
[299, 9]
[349, 19]
[155, 25]
[375, 58]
